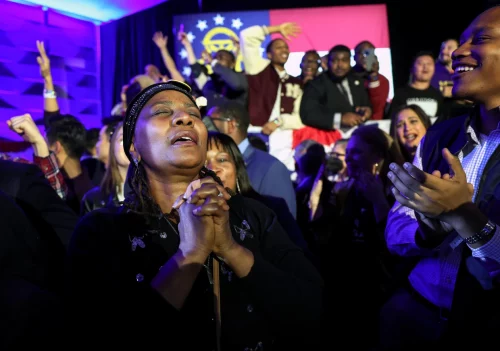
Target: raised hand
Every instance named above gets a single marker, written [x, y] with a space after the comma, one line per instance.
[25, 127]
[43, 60]
[289, 30]
[236, 46]
[160, 40]
[207, 58]
[182, 36]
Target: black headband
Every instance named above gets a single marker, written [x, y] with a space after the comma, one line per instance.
[140, 101]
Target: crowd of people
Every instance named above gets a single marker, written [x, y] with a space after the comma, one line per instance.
[257, 211]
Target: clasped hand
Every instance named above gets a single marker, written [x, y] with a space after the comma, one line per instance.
[433, 195]
[204, 220]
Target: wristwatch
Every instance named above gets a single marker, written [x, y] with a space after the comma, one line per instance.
[277, 121]
[488, 230]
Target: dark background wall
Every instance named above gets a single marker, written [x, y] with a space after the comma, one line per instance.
[413, 26]
[71, 44]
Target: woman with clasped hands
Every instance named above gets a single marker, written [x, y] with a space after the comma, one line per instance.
[145, 274]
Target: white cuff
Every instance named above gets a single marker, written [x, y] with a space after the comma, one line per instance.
[490, 249]
[337, 120]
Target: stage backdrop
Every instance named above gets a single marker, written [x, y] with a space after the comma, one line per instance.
[322, 28]
[72, 47]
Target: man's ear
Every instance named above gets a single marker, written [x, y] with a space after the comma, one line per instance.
[269, 55]
[232, 126]
[58, 148]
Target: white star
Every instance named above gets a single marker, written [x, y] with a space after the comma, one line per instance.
[191, 37]
[262, 50]
[219, 20]
[183, 54]
[186, 71]
[202, 25]
[236, 23]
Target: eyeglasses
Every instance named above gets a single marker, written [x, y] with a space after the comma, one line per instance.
[222, 119]
[336, 154]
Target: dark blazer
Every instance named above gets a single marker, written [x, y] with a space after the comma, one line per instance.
[322, 99]
[269, 176]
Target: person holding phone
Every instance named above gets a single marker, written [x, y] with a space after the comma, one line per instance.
[367, 67]
[186, 263]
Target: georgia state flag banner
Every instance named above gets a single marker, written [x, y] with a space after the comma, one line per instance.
[213, 32]
[322, 29]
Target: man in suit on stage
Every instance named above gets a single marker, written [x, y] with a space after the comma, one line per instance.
[336, 99]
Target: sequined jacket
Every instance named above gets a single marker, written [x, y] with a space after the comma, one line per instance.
[114, 255]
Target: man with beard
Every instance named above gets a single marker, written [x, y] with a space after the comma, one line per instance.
[336, 99]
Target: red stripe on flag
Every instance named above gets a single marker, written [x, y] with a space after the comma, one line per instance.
[323, 28]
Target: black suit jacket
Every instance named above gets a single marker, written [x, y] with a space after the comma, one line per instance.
[322, 99]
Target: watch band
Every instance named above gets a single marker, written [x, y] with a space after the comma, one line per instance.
[486, 232]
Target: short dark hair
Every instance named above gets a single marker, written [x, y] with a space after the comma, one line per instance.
[339, 48]
[236, 111]
[420, 54]
[71, 133]
[227, 52]
[269, 46]
[360, 44]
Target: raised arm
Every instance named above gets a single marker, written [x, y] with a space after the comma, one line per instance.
[25, 127]
[161, 42]
[50, 105]
[252, 38]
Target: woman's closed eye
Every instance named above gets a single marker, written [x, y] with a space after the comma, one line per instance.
[161, 112]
